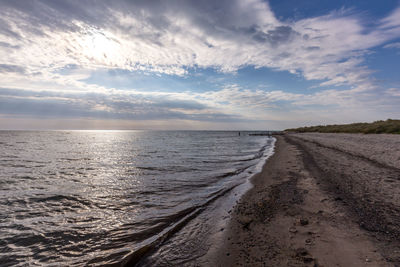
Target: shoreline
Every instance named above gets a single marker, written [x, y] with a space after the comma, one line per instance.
[208, 223]
[292, 216]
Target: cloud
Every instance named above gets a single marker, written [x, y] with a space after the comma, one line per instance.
[394, 92]
[117, 105]
[40, 40]
[231, 104]
[276, 36]
[393, 45]
[11, 68]
[392, 21]
[158, 36]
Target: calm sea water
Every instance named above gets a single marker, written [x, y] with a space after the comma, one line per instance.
[104, 197]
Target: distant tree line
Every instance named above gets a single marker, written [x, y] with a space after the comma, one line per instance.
[388, 126]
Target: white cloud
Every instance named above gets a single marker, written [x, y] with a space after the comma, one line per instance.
[393, 45]
[168, 40]
[394, 92]
[38, 42]
[392, 21]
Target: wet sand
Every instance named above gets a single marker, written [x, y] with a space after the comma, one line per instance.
[318, 202]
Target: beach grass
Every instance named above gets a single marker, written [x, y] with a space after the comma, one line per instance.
[388, 126]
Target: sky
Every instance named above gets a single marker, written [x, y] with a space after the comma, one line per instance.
[197, 65]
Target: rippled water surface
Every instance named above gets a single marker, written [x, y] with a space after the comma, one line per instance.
[97, 197]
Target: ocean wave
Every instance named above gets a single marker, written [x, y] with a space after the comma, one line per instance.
[115, 198]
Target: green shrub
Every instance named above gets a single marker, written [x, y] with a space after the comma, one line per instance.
[377, 127]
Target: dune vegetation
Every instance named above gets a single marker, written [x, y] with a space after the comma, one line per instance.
[377, 127]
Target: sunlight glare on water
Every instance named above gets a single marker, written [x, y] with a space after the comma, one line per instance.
[79, 197]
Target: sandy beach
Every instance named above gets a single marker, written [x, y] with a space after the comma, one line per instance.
[320, 200]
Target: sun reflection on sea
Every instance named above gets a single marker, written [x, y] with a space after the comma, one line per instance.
[96, 194]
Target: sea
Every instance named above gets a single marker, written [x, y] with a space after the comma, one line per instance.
[144, 198]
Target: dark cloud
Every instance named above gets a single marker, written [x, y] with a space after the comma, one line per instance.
[313, 48]
[11, 68]
[217, 18]
[280, 34]
[43, 107]
[137, 107]
[7, 45]
[53, 108]
[5, 29]
[35, 15]
[283, 55]
[181, 104]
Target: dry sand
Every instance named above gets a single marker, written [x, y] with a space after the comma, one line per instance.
[383, 148]
[318, 204]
